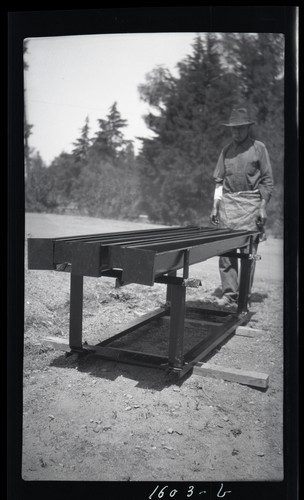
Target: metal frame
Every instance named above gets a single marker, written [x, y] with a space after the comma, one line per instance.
[177, 360]
[148, 257]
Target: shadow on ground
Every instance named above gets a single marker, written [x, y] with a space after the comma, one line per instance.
[258, 297]
[146, 377]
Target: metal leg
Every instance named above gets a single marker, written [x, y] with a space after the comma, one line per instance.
[177, 319]
[169, 288]
[246, 276]
[254, 254]
[244, 286]
[76, 306]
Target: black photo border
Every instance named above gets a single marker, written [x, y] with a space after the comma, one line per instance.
[20, 24]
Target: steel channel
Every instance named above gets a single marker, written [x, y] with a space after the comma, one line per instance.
[91, 259]
[145, 242]
[184, 243]
[153, 264]
[64, 248]
[129, 356]
[119, 234]
[215, 337]
[64, 251]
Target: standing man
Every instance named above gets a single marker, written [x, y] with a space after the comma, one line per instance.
[243, 187]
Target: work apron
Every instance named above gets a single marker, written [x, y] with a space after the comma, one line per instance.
[240, 210]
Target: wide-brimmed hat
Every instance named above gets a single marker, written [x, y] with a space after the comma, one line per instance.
[238, 118]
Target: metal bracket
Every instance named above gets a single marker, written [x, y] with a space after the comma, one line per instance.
[192, 283]
[64, 266]
[254, 257]
[235, 255]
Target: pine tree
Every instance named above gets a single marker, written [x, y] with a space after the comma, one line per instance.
[178, 164]
[82, 144]
[109, 140]
[223, 71]
[39, 192]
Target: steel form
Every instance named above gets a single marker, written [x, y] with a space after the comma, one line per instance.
[147, 257]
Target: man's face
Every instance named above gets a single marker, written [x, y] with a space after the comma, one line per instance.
[239, 134]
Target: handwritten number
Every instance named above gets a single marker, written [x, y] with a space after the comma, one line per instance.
[161, 493]
[220, 493]
[190, 491]
[153, 492]
[224, 492]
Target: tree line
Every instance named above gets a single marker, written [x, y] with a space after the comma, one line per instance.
[170, 178]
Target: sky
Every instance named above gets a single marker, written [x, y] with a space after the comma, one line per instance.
[72, 77]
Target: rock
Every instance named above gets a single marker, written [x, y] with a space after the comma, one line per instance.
[170, 431]
[236, 432]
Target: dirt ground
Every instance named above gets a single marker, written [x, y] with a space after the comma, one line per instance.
[90, 419]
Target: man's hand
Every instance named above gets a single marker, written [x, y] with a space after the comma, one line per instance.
[262, 217]
[214, 214]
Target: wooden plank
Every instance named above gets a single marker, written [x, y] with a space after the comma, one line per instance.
[116, 334]
[245, 331]
[255, 379]
[60, 344]
[113, 353]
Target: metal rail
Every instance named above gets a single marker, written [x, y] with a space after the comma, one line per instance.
[45, 252]
[147, 257]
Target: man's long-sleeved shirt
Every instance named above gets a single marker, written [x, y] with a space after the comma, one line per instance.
[245, 167]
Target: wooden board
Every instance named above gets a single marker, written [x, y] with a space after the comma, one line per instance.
[245, 331]
[255, 379]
